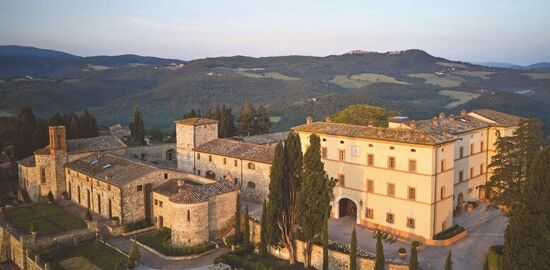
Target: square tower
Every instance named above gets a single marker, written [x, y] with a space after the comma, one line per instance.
[58, 159]
[190, 133]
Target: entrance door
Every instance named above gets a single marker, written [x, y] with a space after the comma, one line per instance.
[211, 175]
[460, 201]
[347, 208]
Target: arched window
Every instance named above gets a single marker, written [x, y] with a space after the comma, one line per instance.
[251, 166]
[170, 154]
[251, 185]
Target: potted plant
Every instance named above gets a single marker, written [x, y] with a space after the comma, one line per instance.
[50, 197]
[402, 252]
[34, 230]
[115, 221]
[88, 215]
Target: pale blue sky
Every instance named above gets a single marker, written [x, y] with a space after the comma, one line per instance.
[470, 30]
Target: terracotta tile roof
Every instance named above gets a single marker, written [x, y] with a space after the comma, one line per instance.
[499, 118]
[191, 194]
[265, 138]
[453, 125]
[109, 168]
[237, 149]
[170, 187]
[94, 144]
[28, 161]
[195, 121]
[374, 133]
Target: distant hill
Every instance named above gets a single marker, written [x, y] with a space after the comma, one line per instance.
[412, 82]
[541, 65]
[16, 61]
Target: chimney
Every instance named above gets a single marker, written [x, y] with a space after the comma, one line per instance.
[180, 183]
[412, 124]
[463, 112]
[452, 117]
[309, 120]
[434, 121]
[441, 115]
[328, 120]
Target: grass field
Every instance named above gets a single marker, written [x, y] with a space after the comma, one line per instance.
[258, 73]
[90, 256]
[49, 218]
[538, 75]
[474, 73]
[444, 64]
[362, 80]
[461, 97]
[445, 81]
[98, 67]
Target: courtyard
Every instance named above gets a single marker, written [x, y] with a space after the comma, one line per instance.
[89, 256]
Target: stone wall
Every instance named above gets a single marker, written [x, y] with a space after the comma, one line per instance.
[190, 224]
[153, 153]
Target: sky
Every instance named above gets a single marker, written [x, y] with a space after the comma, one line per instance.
[468, 30]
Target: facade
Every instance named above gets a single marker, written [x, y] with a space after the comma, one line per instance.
[408, 178]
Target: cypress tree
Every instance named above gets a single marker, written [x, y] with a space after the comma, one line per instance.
[293, 152]
[24, 129]
[247, 118]
[72, 128]
[40, 135]
[379, 264]
[246, 228]
[413, 260]
[449, 262]
[137, 128]
[353, 249]
[528, 234]
[263, 231]
[57, 120]
[133, 256]
[314, 196]
[325, 242]
[238, 219]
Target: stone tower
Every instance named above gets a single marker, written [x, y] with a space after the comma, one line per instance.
[191, 133]
[58, 159]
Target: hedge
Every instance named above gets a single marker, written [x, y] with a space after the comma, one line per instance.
[495, 257]
[450, 232]
[240, 262]
[137, 225]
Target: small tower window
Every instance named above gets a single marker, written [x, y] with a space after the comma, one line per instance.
[188, 215]
[251, 166]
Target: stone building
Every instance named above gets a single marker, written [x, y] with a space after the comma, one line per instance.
[113, 186]
[409, 178]
[196, 209]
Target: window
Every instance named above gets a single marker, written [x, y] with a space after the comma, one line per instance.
[160, 203]
[412, 193]
[391, 189]
[471, 172]
[341, 180]
[251, 166]
[42, 176]
[341, 142]
[156, 202]
[391, 163]
[170, 154]
[442, 193]
[413, 150]
[188, 215]
[165, 176]
[198, 155]
[461, 176]
[324, 139]
[224, 161]
[355, 151]
[323, 152]
[370, 186]
[341, 155]
[461, 151]
[210, 158]
[389, 218]
[369, 213]
[471, 149]
[410, 223]
[198, 172]
[481, 168]
[370, 160]
[109, 187]
[139, 188]
[443, 165]
[236, 162]
[481, 146]
[251, 185]
[392, 148]
[412, 165]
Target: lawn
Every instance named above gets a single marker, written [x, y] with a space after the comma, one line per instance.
[49, 218]
[461, 97]
[253, 261]
[92, 255]
[538, 75]
[475, 73]
[445, 81]
[445, 64]
[258, 73]
[362, 80]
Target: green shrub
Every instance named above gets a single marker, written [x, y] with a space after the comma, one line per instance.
[50, 196]
[495, 257]
[242, 262]
[450, 232]
[88, 215]
[137, 225]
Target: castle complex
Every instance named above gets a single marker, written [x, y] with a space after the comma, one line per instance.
[406, 179]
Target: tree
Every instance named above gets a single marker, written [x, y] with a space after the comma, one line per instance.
[50, 196]
[514, 155]
[133, 256]
[87, 125]
[449, 262]
[353, 251]
[57, 120]
[263, 123]
[246, 228]
[137, 127]
[413, 260]
[364, 115]
[263, 231]
[238, 219]
[40, 135]
[227, 123]
[379, 264]
[325, 242]
[247, 117]
[192, 113]
[528, 234]
[294, 159]
[25, 126]
[314, 196]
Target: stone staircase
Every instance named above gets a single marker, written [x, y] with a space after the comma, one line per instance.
[478, 216]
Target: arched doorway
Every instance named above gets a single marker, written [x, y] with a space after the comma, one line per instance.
[460, 201]
[347, 208]
[210, 175]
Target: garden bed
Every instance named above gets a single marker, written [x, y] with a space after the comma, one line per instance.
[449, 233]
[92, 255]
[256, 262]
[160, 241]
[48, 218]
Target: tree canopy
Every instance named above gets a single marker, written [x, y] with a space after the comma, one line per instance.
[364, 115]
